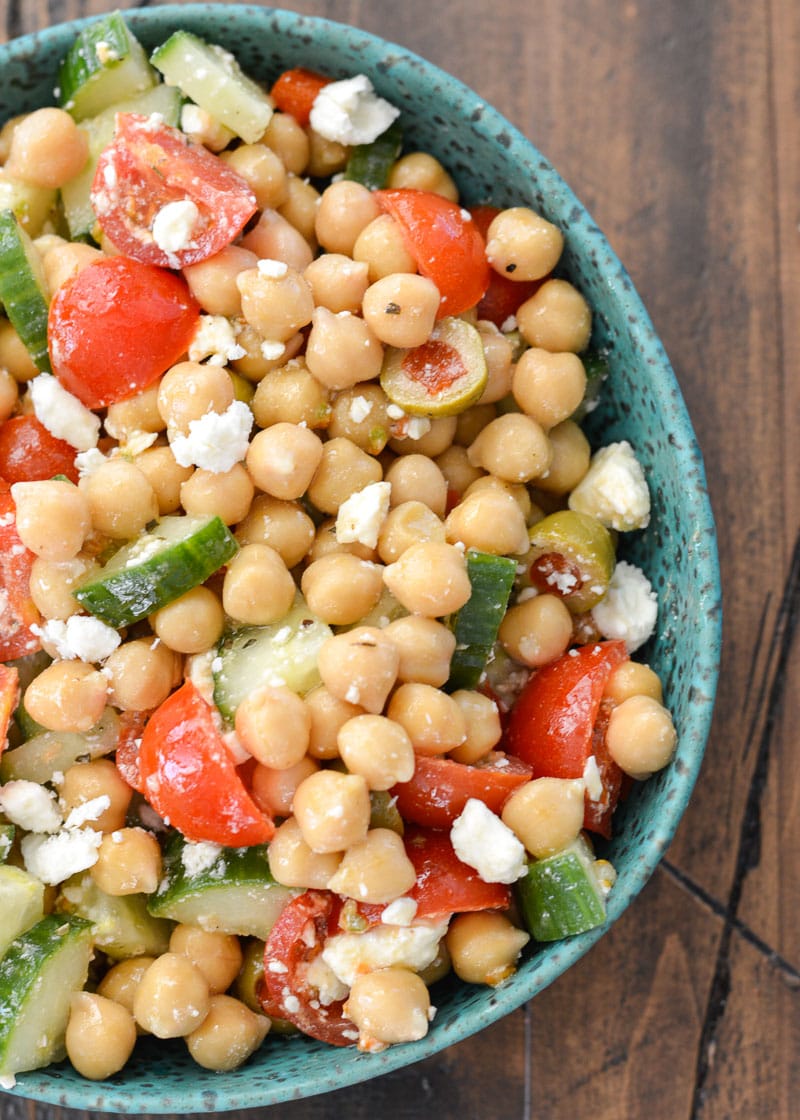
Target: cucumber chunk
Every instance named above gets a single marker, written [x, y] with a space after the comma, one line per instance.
[39, 974]
[32, 205]
[284, 653]
[561, 895]
[475, 626]
[230, 890]
[121, 924]
[53, 752]
[21, 903]
[370, 164]
[78, 210]
[443, 376]
[213, 79]
[177, 554]
[104, 65]
[23, 289]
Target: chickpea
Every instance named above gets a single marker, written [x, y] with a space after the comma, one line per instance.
[274, 726]
[291, 395]
[632, 678]
[328, 714]
[47, 149]
[14, 354]
[570, 461]
[513, 447]
[484, 947]
[122, 979]
[433, 720]
[100, 1035]
[189, 390]
[482, 719]
[426, 648]
[53, 582]
[120, 498]
[203, 128]
[88, 781]
[430, 579]
[491, 520]
[286, 137]
[332, 810]
[223, 494]
[128, 862]
[523, 245]
[401, 309]
[472, 421]
[360, 666]
[67, 696]
[641, 736]
[325, 157]
[263, 171]
[218, 956]
[518, 491]
[537, 630]
[340, 588]
[172, 998]
[258, 588]
[262, 356]
[141, 674]
[337, 282]
[360, 415]
[432, 441]
[344, 210]
[293, 863]
[406, 525]
[417, 478]
[274, 238]
[381, 247]
[134, 415]
[276, 300]
[378, 749]
[300, 208]
[459, 474]
[282, 460]
[212, 281]
[191, 623]
[63, 262]
[499, 354]
[228, 1035]
[9, 394]
[327, 541]
[548, 387]
[342, 349]
[273, 790]
[546, 814]
[53, 518]
[423, 172]
[375, 869]
[166, 476]
[556, 317]
[284, 526]
[389, 1005]
[343, 469]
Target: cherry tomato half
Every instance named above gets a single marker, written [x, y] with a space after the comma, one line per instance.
[117, 326]
[29, 452]
[444, 884]
[148, 166]
[9, 698]
[18, 612]
[295, 92]
[441, 787]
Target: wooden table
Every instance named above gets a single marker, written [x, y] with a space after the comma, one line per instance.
[677, 125]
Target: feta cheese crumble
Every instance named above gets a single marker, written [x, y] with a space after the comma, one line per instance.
[485, 843]
[384, 946]
[81, 636]
[31, 806]
[64, 416]
[174, 225]
[629, 609]
[614, 489]
[55, 857]
[217, 441]
[350, 112]
[215, 339]
[362, 515]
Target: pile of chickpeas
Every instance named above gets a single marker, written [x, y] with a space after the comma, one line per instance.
[313, 331]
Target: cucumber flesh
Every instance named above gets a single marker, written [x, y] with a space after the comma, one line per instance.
[282, 654]
[561, 895]
[177, 554]
[21, 903]
[475, 626]
[229, 890]
[75, 198]
[121, 924]
[39, 974]
[31, 205]
[53, 752]
[105, 64]
[23, 289]
[213, 79]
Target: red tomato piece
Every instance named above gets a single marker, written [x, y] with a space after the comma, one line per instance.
[444, 884]
[18, 611]
[599, 812]
[551, 726]
[9, 698]
[117, 326]
[445, 243]
[296, 90]
[131, 729]
[504, 295]
[189, 776]
[146, 167]
[29, 452]
[441, 787]
[297, 939]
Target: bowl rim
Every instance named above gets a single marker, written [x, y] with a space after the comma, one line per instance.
[47, 1085]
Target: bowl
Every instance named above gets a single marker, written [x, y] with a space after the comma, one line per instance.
[642, 402]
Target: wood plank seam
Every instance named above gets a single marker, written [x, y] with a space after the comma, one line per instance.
[749, 847]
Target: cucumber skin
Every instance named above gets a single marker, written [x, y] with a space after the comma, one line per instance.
[475, 626]
[80, 74]
[130, 594]
[370, 164]
[27, 313]
[557, 899]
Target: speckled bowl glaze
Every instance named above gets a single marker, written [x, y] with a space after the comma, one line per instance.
[641, 402]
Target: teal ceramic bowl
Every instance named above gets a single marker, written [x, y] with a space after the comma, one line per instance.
[641, 402]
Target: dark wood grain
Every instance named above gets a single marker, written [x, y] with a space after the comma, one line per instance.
[676, 124]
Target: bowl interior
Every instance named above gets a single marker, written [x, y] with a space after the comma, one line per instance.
[641, 402]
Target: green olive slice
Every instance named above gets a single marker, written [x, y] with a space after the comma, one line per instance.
[572, 556]
[442, 377]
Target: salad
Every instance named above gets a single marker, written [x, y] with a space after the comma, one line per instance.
[316, 676]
